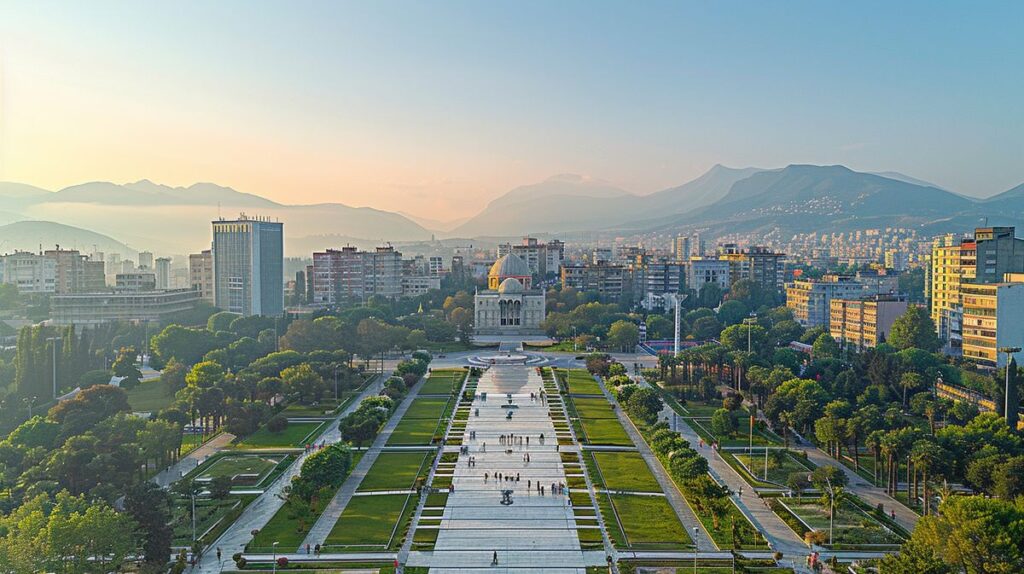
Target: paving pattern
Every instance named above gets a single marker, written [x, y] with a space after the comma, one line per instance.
[537, 532]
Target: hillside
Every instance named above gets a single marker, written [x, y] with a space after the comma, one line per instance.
[31, 235]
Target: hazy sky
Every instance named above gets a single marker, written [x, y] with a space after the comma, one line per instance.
[437, 107]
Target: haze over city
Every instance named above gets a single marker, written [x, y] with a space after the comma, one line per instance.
[435, 109]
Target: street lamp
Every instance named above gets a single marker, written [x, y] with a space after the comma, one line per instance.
[574, 338]
[831, 504]
[54, 341]
[1006, 395]
[694, 550]
[336, 383]
[30, 401]
[274, 545]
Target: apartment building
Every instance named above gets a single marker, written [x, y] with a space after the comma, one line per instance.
[992, 317]
[863, 323]
[810, 299]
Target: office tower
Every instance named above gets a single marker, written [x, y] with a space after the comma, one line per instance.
[145, 260]
[163, 273]
[248, 266]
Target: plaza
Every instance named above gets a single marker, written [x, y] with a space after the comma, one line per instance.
[536, 532]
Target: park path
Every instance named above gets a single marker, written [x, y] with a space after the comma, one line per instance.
[261, 510]
[682, 509]
[187, 463]
[332, 512]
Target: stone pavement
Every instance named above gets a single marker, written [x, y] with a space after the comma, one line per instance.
[686, 515]
[332, 512]
[261, 510]
[187, 463]
[536, 533]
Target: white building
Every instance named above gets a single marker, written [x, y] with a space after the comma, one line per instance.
[509, 306]
[702, 271]
[30, 273]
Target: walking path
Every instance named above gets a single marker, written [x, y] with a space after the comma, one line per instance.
[187, 463]
[693, 525]
[537, 532]
[332, 512]
[261, 510]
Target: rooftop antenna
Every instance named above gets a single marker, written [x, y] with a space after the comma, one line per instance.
[218, 210]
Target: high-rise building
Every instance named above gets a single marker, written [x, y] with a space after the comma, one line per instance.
[998, 253]
[347, 275]
[200, 274]
[701, 271]
[810, 299]
[605, 279]
[992, 317]
[543, 258]
[163, 272]
[145, 260]
[681, 248]
[758, 264]
[953, 261]
[865, 322]
[248, 266]
[136, 281]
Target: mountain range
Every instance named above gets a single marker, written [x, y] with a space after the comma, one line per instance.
[792, 199]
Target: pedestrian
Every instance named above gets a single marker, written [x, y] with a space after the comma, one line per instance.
[218, 552]
[494, 561]
[307, 551]
[517, 477]
[527, 441]
[485, 477]
[484, 449]
[316, 549]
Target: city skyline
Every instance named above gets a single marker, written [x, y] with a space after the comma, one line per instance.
[365, 105]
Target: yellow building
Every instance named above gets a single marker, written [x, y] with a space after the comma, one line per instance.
[865, 322]
[992, 316]
[952, 262]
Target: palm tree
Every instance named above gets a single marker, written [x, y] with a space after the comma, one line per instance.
[926, 456]
[874, 442]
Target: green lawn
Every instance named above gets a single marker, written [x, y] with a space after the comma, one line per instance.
[420, 421]
[649, 522]
[296, 435]
[625, 471]
[369, 521]
[442, 381]
[580, 382]
[232, 465]
[150, 396]
[780, 466]
[593, 408]
[395, 470]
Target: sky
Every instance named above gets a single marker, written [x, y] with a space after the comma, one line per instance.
[435, 108]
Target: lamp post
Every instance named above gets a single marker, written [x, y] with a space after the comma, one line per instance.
[1006, 394]
[574, 338]
[831, 504]
[336, 397]
[274, 545]
[30, 401]
[54, 341]
[694, 550]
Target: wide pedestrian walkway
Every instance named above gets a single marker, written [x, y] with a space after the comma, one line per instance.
[537, 531]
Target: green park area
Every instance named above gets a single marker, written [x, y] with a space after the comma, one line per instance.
[242, 469]
[371, 522]
[442, 381]
[779, 464]
[642, 522]
[851, 525]
[420, 422]
[396, 470]
[150, 396]
[624, 471]
[598, 422]
[296, 435]
[580, 382]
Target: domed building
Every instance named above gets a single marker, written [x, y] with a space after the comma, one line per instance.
[509, 306]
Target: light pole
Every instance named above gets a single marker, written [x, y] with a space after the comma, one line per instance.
[574, 338]
[694, 550]
[1006, 394]
[193, 493]
[275, 556]
[336, 397]
[54, 341]
[30, 401]
[831, 504]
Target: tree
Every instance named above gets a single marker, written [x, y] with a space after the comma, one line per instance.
[735, 338]
[124, 366]
[277, 424]
[825, 347]
[623, 335]
[914, 329]
[723, 423]
[706, 328]
[969, 534]
[187, 345]
[327, 467]
[644, 404]
[909, 382]
[220, 487]
[304, 383]
[732, 312]
[221, 321]
[150, 507]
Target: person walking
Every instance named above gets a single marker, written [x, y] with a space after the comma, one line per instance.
[494, 560]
